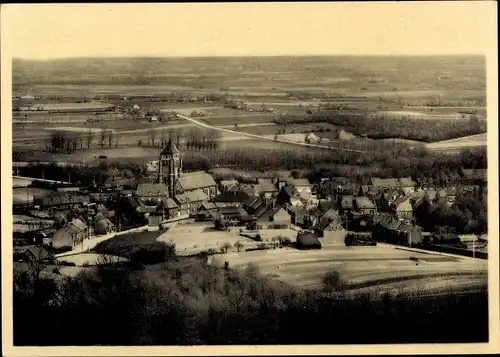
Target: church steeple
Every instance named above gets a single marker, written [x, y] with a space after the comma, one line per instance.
[170, 166]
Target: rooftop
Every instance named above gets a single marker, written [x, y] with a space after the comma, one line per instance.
[194, 180]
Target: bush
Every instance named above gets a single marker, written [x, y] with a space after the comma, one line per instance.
[332, 281]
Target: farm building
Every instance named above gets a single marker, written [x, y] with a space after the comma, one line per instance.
[312, 139]
[73, 107]
[308, 241]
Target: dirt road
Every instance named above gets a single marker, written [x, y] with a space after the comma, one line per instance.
[254, 136]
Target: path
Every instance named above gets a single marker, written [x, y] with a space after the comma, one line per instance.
[89, 244]
[254, 136]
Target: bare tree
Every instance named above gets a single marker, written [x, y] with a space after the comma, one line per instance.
[152, 136]
[103, 137]
[89, 137]
[111, 135]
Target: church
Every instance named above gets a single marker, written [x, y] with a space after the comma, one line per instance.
[176, 193]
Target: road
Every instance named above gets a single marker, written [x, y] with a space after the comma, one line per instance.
[260, 137]
[30, 179]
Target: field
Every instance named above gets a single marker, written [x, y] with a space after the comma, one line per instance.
[196, 237]
[365, 268]
[438, 88]
[479, 140]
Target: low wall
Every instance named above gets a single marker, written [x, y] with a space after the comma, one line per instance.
[458, 251]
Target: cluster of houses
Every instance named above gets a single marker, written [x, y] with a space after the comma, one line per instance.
[328, 209]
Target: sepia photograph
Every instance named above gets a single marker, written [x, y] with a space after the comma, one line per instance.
[249, 174]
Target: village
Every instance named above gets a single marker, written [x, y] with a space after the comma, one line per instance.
[241, 216]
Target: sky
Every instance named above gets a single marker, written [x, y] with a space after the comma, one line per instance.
[259, 29]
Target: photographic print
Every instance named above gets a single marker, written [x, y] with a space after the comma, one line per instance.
[259, 174]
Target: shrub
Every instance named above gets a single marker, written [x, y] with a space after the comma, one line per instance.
[332, 281]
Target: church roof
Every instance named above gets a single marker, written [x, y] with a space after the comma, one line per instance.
[170, 149]
[195, 180]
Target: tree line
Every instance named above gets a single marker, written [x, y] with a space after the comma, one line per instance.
[384, 160]
[199, 304]
[382, 127]
[68, 142]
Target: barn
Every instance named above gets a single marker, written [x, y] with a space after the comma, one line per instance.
[308, 241]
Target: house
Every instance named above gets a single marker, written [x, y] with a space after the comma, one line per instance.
[403, 208]
[301, 185]
[104, 226]
[307, 241]
[136, 107]
[61, 200]
[148, 191]
[38, 254]
[325, 220]
[407, 184]
[250, 190]
[274, 217]
[387, 199]
[288, 196]
[325, 205]
[70, 235]
[346, 203]
[334, 234]
[266, 189]
[409, 235]
[225, 185]
[190, 202]
[365, 206]
[252, 204]
[385, 183]
[231, 214]
[232, 199]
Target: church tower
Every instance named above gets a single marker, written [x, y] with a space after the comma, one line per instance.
[170, 166]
